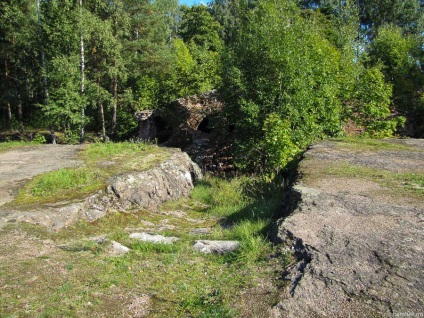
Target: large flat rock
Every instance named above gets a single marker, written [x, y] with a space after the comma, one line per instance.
[356, 232]
[171, 179]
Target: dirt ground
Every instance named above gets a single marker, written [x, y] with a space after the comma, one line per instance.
[21, 164]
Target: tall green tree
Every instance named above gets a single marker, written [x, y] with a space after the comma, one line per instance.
[399, 54]
[201, 35]
[19, 55]
[280, 74]
[67, 28]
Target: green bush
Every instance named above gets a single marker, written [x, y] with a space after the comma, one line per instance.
[39, 139]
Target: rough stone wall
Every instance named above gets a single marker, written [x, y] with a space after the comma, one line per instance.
[186, 123]
[183, 116]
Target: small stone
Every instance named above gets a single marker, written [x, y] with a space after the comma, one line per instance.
[216, 247]
[118, 249]
[99, 239]
[200, 231]
[154, 238]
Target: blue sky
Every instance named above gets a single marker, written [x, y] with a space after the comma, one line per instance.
[191, 2]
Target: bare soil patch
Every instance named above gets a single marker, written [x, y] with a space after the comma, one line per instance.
[21, 164]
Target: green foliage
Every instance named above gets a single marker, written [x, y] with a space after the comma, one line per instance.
[278, 146]
[185, 69]
[371, 106]
[20, 70]
[279, 64]
[392, 49]
[39, 139]
[398, 55]
[301, 60]
[64, 106]
[146, 94]
[198, 51]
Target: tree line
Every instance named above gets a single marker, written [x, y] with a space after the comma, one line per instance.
[289, 71]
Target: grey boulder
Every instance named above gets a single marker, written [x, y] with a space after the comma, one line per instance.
[216, 247]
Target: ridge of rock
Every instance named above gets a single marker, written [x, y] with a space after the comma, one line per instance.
[357, 245]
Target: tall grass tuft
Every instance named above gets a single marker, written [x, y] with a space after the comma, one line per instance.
[247, 206]
[254, 245]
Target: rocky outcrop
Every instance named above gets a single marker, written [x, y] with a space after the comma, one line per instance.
[355, 235]
[172, 179]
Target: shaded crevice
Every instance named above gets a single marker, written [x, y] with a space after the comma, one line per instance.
[163, 129]
[204, 126]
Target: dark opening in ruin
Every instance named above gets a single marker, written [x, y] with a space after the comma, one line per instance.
[204, 126]
[163, 130]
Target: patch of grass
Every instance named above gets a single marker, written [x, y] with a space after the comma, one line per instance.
[101, 162]
[409, 183]
[63, 180]
[221, 197]
[5, 146]
[117, 158]
[246, 207]
[368, 144]
[147, 247]
[63, 184]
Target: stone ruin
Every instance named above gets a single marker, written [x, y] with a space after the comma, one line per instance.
[195, 124]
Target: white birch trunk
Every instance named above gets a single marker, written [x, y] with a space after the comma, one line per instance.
[43, 60]
[82, 78]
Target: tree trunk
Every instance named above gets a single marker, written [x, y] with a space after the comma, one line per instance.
[115, 82]
[115, 105]
[9, 114]
[21, 125]
[102, 118]
[82, 82]
[8, 107]
[43, 60]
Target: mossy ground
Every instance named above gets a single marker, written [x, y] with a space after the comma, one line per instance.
[393, 166]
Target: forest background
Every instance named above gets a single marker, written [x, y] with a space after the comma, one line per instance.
[289, 72]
